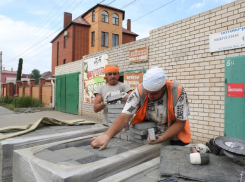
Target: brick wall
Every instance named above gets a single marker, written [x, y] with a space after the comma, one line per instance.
[27, 91]
[182, 50]
[20, 91]
[47, 94]
[127, 38]
[35, 92]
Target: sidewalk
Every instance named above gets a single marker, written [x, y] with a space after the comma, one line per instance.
[9, 118]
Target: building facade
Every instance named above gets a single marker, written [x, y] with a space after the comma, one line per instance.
[97, 29]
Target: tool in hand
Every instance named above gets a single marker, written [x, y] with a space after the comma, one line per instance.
[198, 158]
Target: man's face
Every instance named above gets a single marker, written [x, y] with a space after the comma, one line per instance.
[155, 95]
[112, 78]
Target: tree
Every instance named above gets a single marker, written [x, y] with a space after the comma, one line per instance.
[19, 72]
[35, 74]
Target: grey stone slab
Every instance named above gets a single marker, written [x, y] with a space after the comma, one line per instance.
[155, 173]
[73, 162]
[46, 154]
[151, 133]
[146, 179]
[126, 135]
[141, 137]
[115, 106]
[114, 111]
[57, 147]
[114, 97]
[144, 125]
[132, 146]
[58, 159]
[108, 151]
[138, 132]
[69, 151]
[82, 155]
[112, 115]
[139, 141]
[118, 135]
[94, 171]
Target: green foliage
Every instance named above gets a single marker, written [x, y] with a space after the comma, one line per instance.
[35, 74]
[6, 100]
[19, 72]
[23, 102]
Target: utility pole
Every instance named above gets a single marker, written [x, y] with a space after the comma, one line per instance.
[0, 73]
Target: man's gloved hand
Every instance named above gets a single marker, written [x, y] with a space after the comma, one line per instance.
[124, 96]
[106, 97]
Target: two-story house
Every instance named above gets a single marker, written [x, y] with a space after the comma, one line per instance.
[97, 29]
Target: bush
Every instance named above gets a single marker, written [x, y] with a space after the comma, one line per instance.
[6, 100]
[23, 102]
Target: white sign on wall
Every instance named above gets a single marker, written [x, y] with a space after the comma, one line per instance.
[230, 39]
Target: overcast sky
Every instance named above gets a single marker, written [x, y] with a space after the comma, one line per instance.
[28, 26]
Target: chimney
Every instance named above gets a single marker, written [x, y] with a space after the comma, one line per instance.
[3, 68]
[67, 18]
[129, 24]
[11, 69]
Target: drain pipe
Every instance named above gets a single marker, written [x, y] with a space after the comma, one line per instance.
[53, 91]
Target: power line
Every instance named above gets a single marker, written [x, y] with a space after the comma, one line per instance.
[143, 15]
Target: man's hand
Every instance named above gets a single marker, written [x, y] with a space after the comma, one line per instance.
[106, 98]
[159, 139]
[101, 141]
[124, 96]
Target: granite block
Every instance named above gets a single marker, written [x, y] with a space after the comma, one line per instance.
[151, 133]
[115, 106]
[144, 125]
[138, 132]
[141, 137]
[114, 97]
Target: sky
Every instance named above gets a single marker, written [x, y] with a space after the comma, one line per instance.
[28, 26]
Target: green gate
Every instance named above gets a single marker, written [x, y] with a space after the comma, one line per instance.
[67, 93]
[234, 97]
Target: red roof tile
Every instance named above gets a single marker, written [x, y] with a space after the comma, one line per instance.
[129, 32]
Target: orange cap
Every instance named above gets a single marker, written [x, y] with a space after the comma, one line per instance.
[111, 67]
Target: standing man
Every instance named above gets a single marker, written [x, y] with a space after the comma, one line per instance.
[112, 87]
[158, 100]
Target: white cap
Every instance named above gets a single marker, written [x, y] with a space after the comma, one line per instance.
[154, 79]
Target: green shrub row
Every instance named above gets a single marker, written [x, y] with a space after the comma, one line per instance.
[21, 102]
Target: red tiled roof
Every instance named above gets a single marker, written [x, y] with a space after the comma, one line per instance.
[46, 74]
[80, 20]
[129, 32]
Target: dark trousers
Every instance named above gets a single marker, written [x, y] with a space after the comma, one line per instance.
[178, 142]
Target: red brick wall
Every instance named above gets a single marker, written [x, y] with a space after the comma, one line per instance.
[81, 46]
[128, 38]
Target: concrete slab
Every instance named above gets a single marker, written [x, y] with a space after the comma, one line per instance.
[91, 172]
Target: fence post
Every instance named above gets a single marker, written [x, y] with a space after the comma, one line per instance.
[18, 84]
[24, 84]
[41, 83]
[32, 83]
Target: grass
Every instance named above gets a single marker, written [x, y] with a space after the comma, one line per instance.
[21, 102]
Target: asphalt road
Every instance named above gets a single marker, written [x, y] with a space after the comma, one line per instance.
[9, 118]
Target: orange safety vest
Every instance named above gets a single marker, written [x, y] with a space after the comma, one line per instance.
[174, 90]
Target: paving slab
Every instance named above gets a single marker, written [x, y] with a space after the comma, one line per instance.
[92, 172]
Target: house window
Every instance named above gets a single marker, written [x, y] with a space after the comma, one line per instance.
[104, 39]
[115, 20]
[93, 16]
[92, 38]
[105, 16]
[64, 61]
[114, 40]
[65, 40]
[57, 53]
